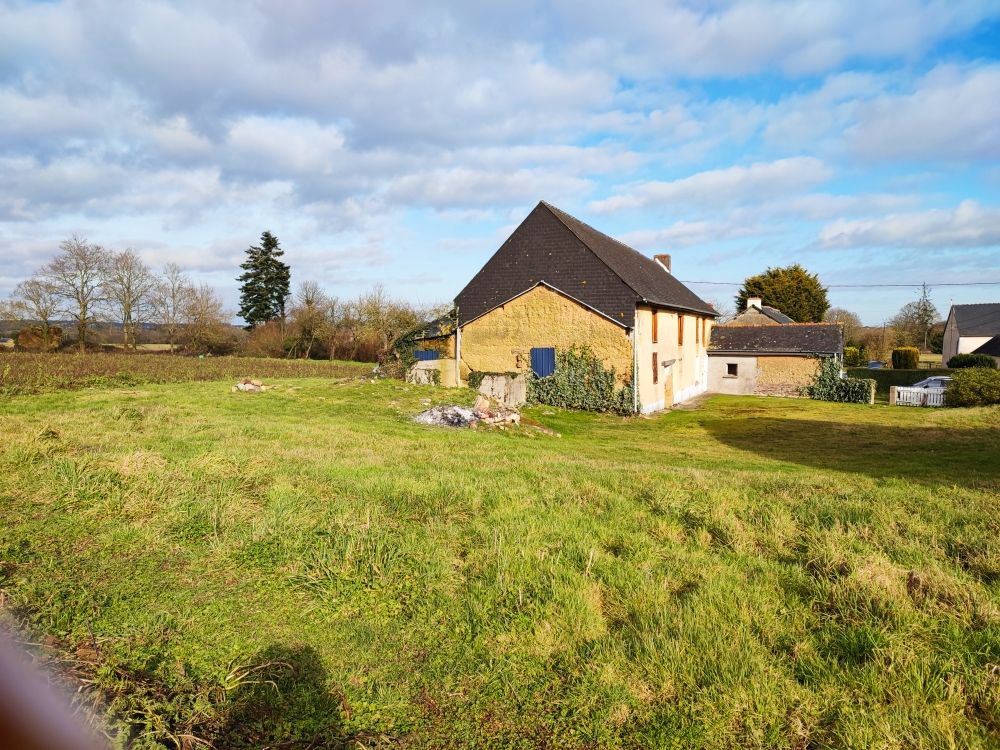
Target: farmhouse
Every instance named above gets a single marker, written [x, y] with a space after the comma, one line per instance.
[770, 359]
[556, 283]
[970, 327]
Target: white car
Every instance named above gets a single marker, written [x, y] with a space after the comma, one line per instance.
[938, 381]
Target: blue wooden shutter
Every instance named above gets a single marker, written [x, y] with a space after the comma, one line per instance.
[426, 355]
[543, 361]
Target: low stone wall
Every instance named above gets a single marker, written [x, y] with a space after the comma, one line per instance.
[785, 376]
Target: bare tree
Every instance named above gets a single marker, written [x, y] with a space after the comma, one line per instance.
[725, 310]
[204, 318]
[849, 321]
[36, 300]
[128, 289]
[312, 317]
[77, 278]
[383, 320]
[171, 299]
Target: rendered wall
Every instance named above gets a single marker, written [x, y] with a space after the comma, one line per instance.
[501, 340]
[688, 375]
[743, 384]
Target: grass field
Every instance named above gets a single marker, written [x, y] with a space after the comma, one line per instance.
[24, 372]
[306, 565]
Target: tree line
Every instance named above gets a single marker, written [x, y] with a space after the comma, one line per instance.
[90, 286]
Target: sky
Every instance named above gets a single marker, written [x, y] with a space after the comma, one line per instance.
[401, 143]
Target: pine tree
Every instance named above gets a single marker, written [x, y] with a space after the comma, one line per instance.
[265, 282]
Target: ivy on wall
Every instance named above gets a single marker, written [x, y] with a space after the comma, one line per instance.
[580, 381]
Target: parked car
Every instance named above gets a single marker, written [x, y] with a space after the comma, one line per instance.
[874, 365]
[938, 381]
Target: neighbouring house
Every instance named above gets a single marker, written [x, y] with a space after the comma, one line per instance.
[769, 359]
[556, 283]
[759, 314]
[968, 328]
[991, 349]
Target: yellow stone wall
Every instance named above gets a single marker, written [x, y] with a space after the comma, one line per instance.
[784, 376]
[501, 340]
[443, 344]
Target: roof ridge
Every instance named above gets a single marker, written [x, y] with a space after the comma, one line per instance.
[556, 210]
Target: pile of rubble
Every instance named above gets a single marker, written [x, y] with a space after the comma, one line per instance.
[251, 386]
[484, 411]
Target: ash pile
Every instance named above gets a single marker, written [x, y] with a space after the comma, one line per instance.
[484, 411]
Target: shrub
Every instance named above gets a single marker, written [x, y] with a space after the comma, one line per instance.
[581, 382]
[974, 386]
[905, 358]
[831, 386]
[961, 361]
[853, 356]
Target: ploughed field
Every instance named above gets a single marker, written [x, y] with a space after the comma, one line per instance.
[307, 565]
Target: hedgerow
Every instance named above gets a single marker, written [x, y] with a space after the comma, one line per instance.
[961, 361]
[831, 386]
[580, 381]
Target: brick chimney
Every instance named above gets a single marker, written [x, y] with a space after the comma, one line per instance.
[664, 260]
[754, 302]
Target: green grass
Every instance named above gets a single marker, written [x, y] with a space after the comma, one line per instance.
[308, 565]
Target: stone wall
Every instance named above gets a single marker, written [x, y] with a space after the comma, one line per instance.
[501, 340]
[785, 376]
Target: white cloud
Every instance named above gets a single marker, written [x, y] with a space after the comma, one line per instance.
[691, 233]
[951, 114]
[970, 224]
[718, 188]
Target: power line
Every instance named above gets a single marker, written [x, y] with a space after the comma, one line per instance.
[863, 286]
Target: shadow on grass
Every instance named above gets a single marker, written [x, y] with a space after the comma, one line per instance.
[930, 455]
[283, 700]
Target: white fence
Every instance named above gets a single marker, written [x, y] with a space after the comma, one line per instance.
[916, 396]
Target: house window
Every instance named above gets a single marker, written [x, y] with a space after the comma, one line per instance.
[655, 332]
[732, 369]
[704, 331]
[697, 331]
[680, 330]
[656, 368]
[543, 361]
[426, 355]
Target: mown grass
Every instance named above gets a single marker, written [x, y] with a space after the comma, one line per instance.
[25, 372]
[308, 565]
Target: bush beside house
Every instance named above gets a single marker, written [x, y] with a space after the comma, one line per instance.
[830, 385]
[974, 386]
[580, 381]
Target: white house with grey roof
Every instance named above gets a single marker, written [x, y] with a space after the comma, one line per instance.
[969, 328]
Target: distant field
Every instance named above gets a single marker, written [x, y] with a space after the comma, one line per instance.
[22, 372]
[308, 568]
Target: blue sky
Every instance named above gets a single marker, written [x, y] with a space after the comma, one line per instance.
[384, 145]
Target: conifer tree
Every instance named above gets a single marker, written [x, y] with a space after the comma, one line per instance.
[265, 282]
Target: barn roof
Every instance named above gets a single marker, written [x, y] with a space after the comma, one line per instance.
[991, 347]
[977, 320]
[791, 338]
[553, 248]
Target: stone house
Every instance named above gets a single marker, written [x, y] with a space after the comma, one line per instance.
[759, 314]
[556, 283]
[770, 359]
[970, 327]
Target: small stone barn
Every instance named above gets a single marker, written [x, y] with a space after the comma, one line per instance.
[770, 360]
[969, 327]
[556, 283]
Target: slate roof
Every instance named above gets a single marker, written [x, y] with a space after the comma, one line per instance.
[643, 274]
[991, 347]
[791, 338]
[747, 317]
[553, 248]
[775, 314]
[977, 320]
